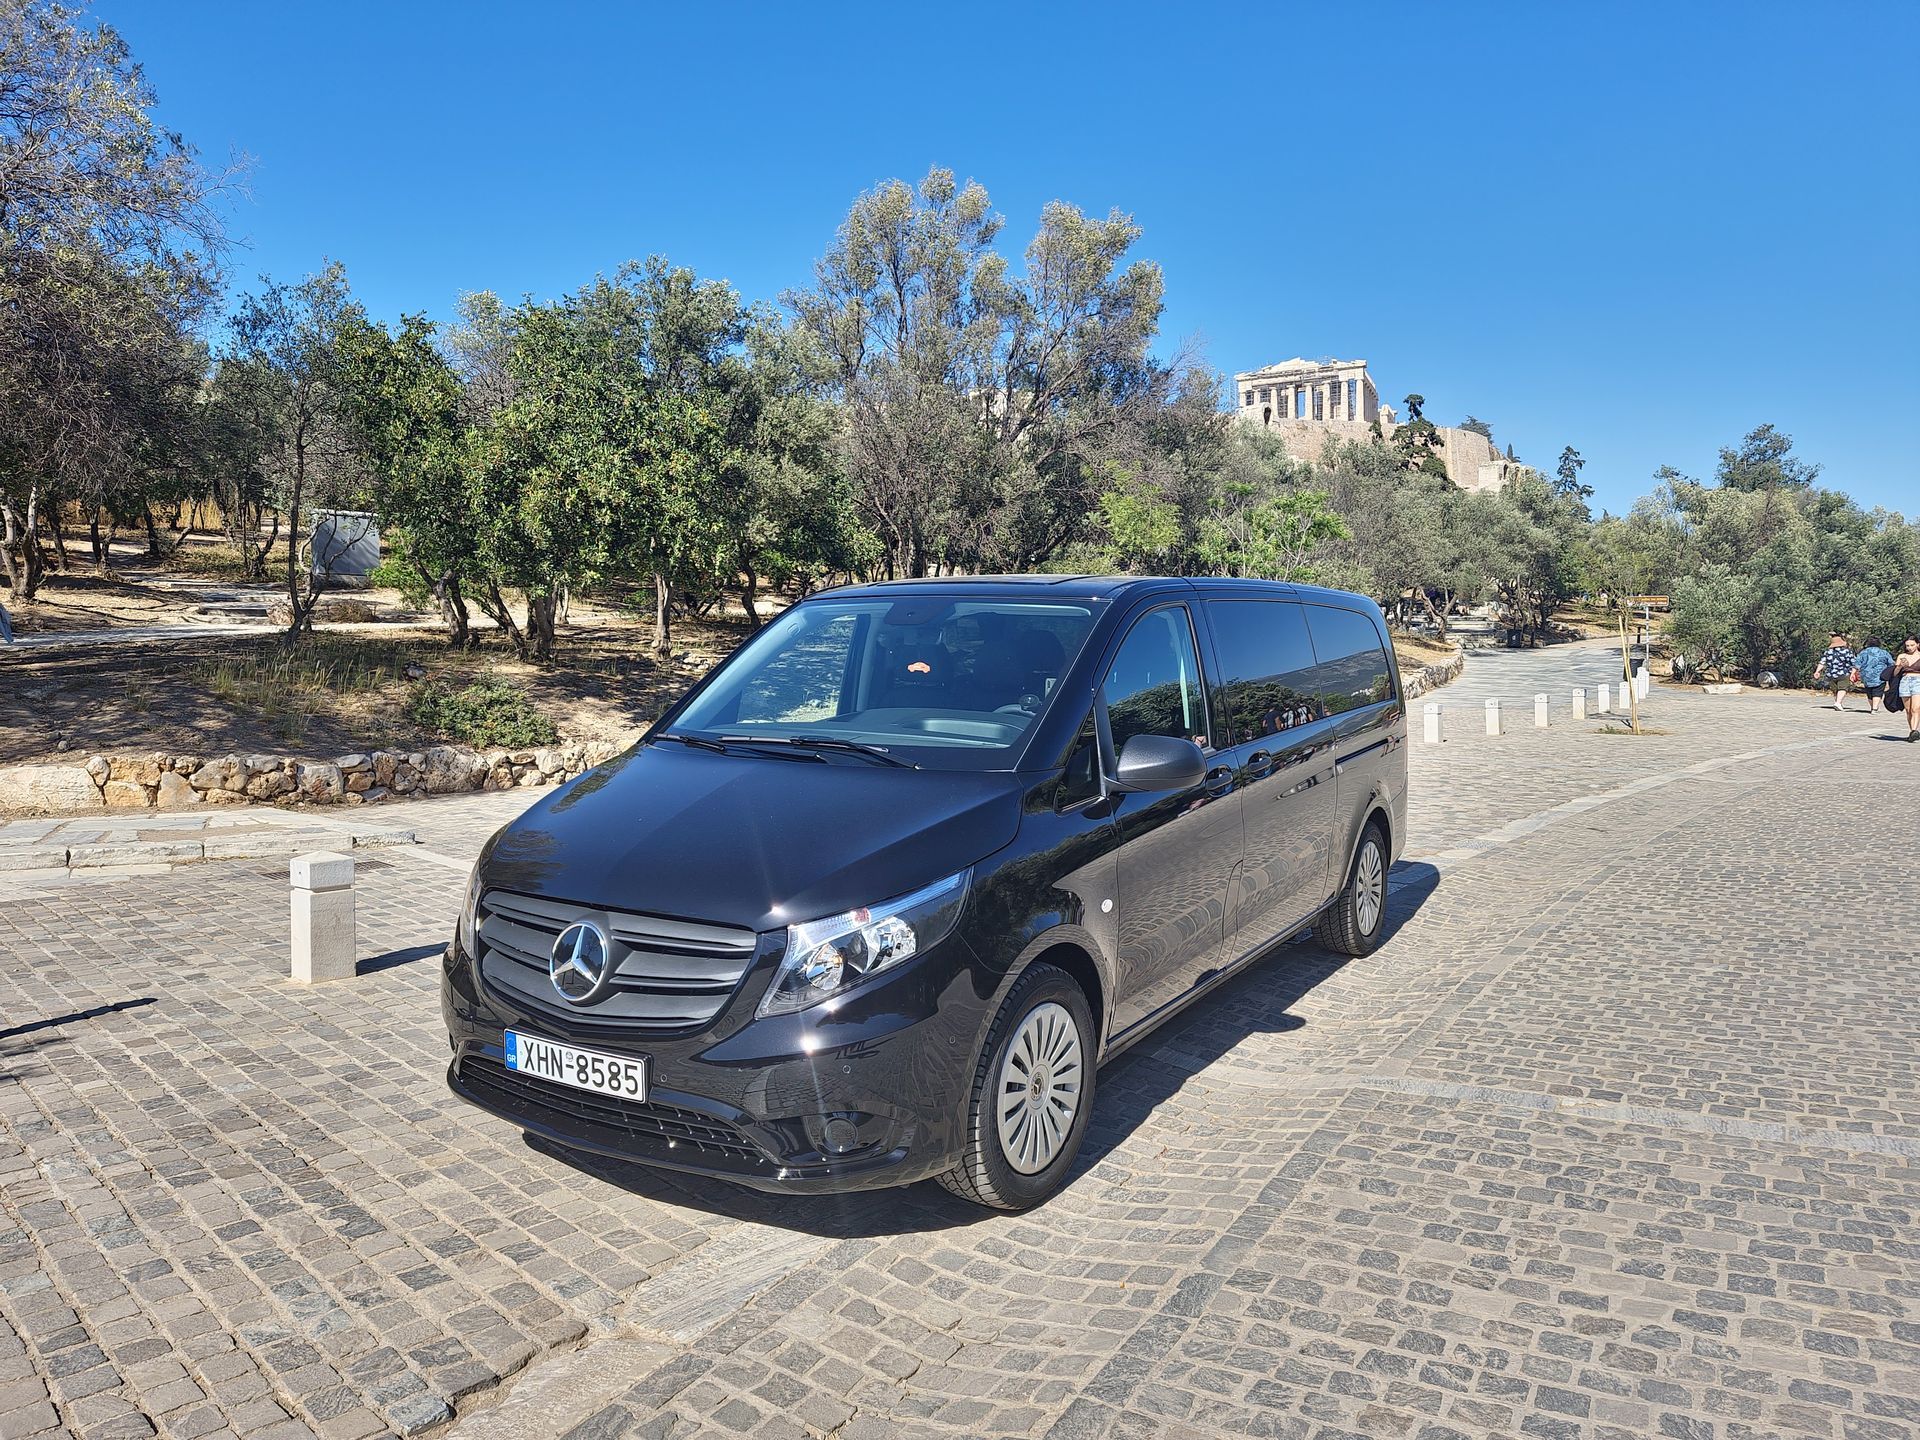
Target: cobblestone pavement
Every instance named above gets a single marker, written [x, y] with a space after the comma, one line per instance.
[1618, 1135]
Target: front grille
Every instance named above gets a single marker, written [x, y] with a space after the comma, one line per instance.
[667, 974]
[602, 1116]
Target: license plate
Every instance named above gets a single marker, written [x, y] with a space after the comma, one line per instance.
[621, 1075]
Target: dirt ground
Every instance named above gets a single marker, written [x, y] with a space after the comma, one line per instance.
[148, 695]
[87, 602]
[338, 691]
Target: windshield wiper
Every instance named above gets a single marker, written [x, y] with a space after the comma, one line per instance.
[699, 742]
[720, 744]
[853, 747]
[724, 744]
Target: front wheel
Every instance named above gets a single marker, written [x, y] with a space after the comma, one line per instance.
[1031, 1096]
[1354, 923]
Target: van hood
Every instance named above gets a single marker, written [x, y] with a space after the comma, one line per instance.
[743, 839]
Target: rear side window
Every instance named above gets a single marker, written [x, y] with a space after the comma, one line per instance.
[1352, 668]
[1266, 683]
[1154, 687]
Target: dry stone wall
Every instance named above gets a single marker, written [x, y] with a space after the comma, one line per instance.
[1432, 677]
[173, 782]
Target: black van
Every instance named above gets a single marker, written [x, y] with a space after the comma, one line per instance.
[877, 897]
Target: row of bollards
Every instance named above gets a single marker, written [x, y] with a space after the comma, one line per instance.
[1605, 697]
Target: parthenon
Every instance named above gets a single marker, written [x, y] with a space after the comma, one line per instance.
[1319, 390]
[1312, 402]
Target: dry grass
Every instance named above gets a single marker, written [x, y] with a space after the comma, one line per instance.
[221, 560]
[1416, 651]
[289, 689]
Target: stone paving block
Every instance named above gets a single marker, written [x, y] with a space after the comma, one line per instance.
[1493, 1179]
[133, 852]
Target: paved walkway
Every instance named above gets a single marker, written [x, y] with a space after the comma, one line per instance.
[1516, 676]
[1618, 1135]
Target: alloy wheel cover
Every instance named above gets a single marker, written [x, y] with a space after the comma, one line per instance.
[1036, 1095]
[1369, 888]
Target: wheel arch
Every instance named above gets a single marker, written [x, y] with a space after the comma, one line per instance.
[1378, 812]
[1066, 947]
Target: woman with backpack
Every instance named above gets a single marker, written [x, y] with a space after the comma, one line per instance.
[1870, 667]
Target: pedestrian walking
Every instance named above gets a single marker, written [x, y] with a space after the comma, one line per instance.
[1870, 667]
[1906, 674]
[1835, 669]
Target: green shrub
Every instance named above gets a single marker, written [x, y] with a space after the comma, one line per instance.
[487, 712]
[394, 573]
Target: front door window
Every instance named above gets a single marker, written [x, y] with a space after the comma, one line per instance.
[1153, 686]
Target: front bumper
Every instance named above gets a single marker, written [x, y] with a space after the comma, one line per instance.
[748, 1103]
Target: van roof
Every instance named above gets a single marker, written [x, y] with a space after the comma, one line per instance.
[1094, 587]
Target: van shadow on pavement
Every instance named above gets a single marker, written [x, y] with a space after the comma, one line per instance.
[1129, 1090]
[15, 1045]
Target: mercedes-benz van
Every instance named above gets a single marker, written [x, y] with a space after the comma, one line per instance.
[876, 898]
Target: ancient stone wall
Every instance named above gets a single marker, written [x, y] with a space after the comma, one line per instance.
[1472, 461]
[171, 782]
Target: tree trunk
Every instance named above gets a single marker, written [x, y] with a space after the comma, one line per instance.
[93, 539]
[1438, 614]
[59, 538]
[154, 551]
[662, 617]
[9, 537]
[300, 601]
[495, 605]
[453, 605]
[30, 545]
[257, 550]
[747, 595]
[541, 614]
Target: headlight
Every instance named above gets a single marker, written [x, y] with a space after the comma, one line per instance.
[829, 957]
[469, 915]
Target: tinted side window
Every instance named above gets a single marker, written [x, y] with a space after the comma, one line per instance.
[1266, 683]
[1352, 669]
[1153, 687]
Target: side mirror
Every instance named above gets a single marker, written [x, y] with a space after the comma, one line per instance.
[1159, 762]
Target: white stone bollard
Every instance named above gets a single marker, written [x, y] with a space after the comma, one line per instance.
[1642, 682]
[1433, 723]
[1539, 712]
[323, 929]
[1601, 703]
[1579, 704]
[1493, 716]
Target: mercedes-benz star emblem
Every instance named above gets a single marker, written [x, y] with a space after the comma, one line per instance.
[578, 965]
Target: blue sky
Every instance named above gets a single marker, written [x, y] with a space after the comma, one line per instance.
[1640, 230]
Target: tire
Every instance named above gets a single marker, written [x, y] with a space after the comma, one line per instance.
[1044, 1026]
[1357, 919]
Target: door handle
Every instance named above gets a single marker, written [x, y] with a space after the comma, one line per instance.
[1219, 780]
[1259, 763]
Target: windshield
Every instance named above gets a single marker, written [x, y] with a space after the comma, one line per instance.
[945, 683]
